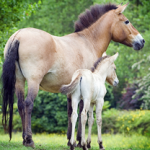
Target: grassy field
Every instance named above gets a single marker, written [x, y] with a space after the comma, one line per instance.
[59, 142]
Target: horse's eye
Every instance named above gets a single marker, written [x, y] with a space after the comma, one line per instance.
[126, 22]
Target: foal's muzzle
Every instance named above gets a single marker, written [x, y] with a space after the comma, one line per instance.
[116, 82]
[138, 42]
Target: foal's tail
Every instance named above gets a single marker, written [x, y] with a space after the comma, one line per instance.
[70, 88]
[8, 85]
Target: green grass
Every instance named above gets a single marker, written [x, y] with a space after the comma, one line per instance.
[59, 142]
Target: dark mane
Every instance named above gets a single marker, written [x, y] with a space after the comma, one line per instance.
[91, 15]
[98, 62]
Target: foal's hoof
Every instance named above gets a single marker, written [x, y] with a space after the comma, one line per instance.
[84, 147]
[101, 146]
[89, 145]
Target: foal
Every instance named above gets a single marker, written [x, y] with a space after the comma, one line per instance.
[91, 88]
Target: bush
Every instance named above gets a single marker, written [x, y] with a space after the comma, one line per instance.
[127, 101]
[115, 121]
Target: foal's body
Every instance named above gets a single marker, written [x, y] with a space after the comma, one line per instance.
[47, 61]
[91, 88]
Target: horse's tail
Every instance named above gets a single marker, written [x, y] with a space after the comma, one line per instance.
[8, 85]
[70, 88]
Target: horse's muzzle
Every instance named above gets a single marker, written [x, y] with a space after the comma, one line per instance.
[138, 43]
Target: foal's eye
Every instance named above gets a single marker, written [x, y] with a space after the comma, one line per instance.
[126, 22]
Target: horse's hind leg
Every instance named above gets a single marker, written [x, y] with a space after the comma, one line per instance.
[33, 87]
[69, 109]
[19, 89]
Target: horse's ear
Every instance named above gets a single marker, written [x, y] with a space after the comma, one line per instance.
[121, 9]
[114, 57]
[120, 4]
[104, 54]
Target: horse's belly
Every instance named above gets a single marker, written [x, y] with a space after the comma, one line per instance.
[52, 82]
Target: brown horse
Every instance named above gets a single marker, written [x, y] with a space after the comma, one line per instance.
[47, 62]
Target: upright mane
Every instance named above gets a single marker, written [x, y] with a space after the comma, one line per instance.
[98, 62]
[91, 15]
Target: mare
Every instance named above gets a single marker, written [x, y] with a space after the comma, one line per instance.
[90, 87]
[47, 62]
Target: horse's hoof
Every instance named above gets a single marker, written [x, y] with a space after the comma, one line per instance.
[84, 147]
[79, 145]
[30, 145]
[69, 144]
[72, 147]
[74, 144]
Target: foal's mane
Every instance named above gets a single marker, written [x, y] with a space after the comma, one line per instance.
[98, 62]
[91, 15]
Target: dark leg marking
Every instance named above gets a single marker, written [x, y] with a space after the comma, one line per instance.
[28, 111]
[79, 134]
[21, 109]
[69, 132]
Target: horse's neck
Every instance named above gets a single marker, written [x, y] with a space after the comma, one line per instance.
[99, 34]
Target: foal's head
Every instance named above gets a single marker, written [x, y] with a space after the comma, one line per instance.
[105, 65]
[111, 74]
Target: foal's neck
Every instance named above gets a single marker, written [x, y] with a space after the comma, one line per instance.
[99, 34]
[101, 71]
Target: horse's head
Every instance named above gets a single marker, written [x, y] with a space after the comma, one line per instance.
[123, 31]
[111, 74]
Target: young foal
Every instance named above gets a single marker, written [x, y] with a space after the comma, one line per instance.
[91, 88]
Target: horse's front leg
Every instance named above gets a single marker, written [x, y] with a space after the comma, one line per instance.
[90, 124]
[99, 106]
[33, 88]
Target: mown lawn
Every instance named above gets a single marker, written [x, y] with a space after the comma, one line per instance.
[59, 142]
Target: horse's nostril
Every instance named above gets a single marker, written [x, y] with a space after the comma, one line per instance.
[143, 41]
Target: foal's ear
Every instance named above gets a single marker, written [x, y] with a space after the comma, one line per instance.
[104, 54]
[121, 9]
[114, 57]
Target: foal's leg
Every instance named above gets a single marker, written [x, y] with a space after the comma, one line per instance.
[33, 88]
[99, 106]
[79, 124]
[74, 116]
[83, 122]
[90, 123]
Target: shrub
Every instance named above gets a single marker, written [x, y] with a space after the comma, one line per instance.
[127, 101]
[115, 121]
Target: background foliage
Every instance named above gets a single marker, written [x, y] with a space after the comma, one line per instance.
[57, 17]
